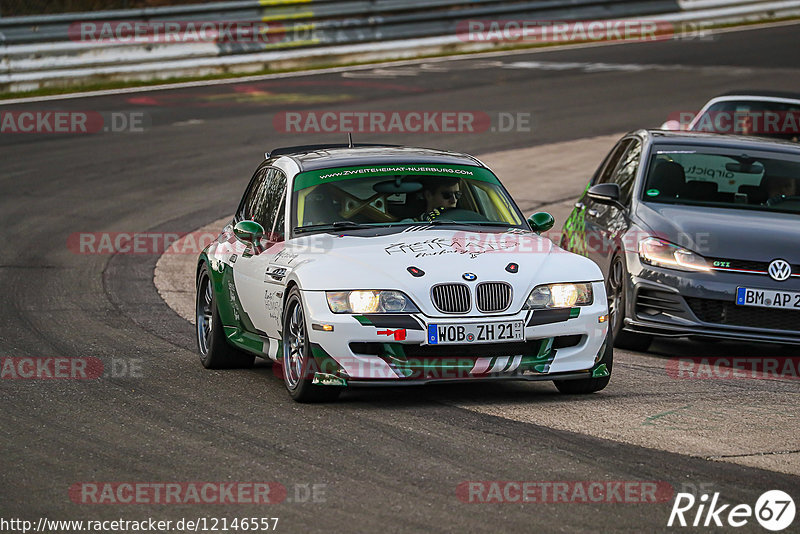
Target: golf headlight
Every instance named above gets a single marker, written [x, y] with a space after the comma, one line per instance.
[660, 253]
[369, 301]
[560, 296]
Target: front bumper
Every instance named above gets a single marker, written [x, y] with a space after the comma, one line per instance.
[385, 349]
[665, 302]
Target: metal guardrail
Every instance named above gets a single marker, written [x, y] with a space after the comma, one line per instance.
[336, 21]
[39, 49]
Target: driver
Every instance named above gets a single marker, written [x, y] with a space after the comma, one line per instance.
[780, 187]
[440, 195]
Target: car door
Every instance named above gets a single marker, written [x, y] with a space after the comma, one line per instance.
[606, 224]
[574, 236]
[258, 286]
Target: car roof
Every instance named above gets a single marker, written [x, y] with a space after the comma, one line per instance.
[313, 157]
[756, 94]
[719, 140]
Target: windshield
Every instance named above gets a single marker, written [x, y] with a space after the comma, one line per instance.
[370, 196]
[723, 178]
[780, 120]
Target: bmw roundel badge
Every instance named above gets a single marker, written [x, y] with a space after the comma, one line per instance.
[469, 277]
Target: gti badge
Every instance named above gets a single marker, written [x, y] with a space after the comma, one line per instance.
[469, 277]
[780, 270]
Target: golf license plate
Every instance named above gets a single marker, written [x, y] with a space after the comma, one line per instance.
[455, 334]
[768, 298]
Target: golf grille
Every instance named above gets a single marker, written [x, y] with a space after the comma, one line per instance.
[493, 296]
[451, 298]
[728, 313]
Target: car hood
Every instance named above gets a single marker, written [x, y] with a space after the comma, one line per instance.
[725, 233]
[327, 262]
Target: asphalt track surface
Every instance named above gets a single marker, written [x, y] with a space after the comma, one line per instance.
[391, 459]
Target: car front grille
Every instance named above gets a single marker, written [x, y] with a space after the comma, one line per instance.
[753, 267]
[728, 313]
[650, 302]
[451, 298]
[492, 297]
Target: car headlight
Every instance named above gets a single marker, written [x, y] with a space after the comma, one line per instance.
[560, 296]
[370, 301]
[654, 251]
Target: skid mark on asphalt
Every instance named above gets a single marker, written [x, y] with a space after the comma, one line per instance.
[650, 420]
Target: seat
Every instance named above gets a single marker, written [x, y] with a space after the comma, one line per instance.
[702, 191]
[413, 207]
[668, 178]
[321, 206]
[755, 193]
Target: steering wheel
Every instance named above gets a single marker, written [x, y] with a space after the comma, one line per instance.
[453, 214]
[782, 198]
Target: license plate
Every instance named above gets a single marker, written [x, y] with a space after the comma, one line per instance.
[459, 334]
[768, 298]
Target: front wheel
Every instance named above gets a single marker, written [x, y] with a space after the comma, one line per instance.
[297, 359]
[583, 386]
[216, 352]
[616, 289]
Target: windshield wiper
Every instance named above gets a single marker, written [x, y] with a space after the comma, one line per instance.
[782, 198]
[469, 223]
[493, 223]
[328, 226]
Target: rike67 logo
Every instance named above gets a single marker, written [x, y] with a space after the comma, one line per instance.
[774, 510]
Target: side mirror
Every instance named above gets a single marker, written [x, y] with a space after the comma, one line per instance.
[248, 232]
[608, 194]
[541, 222]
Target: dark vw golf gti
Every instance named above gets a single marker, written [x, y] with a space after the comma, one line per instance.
[697, 234]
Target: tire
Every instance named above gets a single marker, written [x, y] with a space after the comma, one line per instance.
[583, 386]
[616, 290]
[216, 352]
[297, 358]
